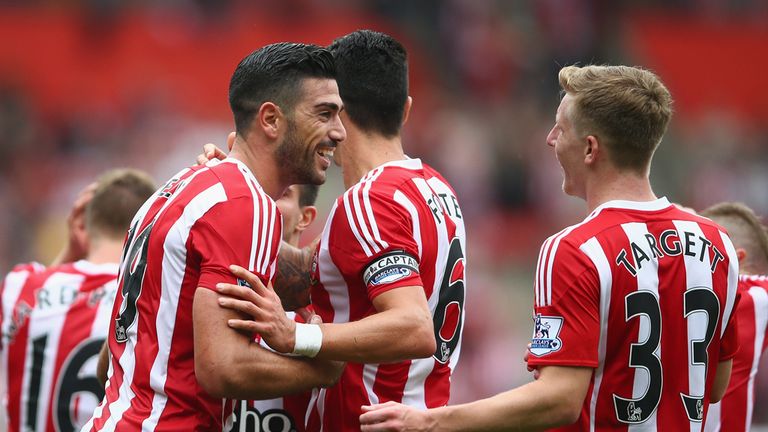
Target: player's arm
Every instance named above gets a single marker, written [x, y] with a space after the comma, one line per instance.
[401, 329]
[722, 378]
[555, 399]
[102, 367]
[230, 364]
[294, 270]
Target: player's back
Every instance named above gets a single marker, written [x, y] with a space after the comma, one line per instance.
[650, 290]
[401, 225]
[54, 322]
[182, 238]
[734, 412]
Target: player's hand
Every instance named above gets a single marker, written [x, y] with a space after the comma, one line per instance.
[210, 151]
[263, 305]
[309, 316]
[77, 239]
[395, 417]
[530, 368]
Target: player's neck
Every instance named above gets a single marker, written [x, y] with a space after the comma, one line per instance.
[262, 167]
[616, 186]
[104, 251]
[366, 152]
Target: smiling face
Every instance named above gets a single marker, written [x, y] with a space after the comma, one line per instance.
[570, 149]
[313, 131]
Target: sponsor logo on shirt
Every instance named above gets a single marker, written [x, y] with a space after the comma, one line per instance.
[545, 332]
[390, 268]
[249, 418]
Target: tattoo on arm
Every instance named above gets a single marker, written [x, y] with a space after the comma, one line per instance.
[294, 273]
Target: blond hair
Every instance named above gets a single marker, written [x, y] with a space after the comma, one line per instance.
[746, 232]
[627, 108]
[118, 196]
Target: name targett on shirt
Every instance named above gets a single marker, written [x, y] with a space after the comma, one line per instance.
[669, 243]
[390, 267]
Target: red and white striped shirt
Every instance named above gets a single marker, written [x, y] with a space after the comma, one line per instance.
[401, 225]
[734, 412]
[643, 293]
[200, 222]
[54, 322]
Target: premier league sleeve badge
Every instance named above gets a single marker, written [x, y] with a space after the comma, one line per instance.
[545, 335]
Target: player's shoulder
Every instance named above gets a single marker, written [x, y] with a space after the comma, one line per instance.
[224, 182]
[392, 175]
[27, 268]
[20, 273]
[90, 269]
[748, 281]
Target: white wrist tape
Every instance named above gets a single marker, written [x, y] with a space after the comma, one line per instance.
[309, 339]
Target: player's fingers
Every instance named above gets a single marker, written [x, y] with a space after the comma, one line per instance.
[536, 374]
[245, 326]
[249, 277]
[378, 406]
[383, 418]
[83, 198]
[237, 291]
[211, 151]
[378, 427]
[309, 317]
[202, 159]
[243, 306]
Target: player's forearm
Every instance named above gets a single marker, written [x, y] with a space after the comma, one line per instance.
[253, 372]
[722, 377]
[230, 364]
[262, 374]
[294, 271]
[522, 409]
[388, 336]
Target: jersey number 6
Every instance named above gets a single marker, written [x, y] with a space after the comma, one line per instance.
[449, 312]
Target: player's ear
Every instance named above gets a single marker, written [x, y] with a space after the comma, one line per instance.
[269, 119]
[231, 140]
[308, 215]
[407, 109]
[741, 254]
[591, 149]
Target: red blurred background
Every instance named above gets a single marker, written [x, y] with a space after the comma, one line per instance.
[90, 85]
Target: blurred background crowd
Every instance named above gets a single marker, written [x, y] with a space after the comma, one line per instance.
[93, 84]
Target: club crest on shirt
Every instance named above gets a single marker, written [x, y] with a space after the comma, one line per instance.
[545, 335]
[243, 283]
[390, 268]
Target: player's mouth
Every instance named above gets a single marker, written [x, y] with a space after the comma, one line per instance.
[326, 155]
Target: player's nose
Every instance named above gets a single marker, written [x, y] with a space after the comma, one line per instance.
[337, 132]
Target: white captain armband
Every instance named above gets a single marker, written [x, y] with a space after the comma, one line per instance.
[390, 267]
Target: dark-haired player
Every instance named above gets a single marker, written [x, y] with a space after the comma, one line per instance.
[389, 269]
[173, 357]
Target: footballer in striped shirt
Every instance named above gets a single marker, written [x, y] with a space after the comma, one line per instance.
[734, 412]
[632, 321]
[54, 320]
